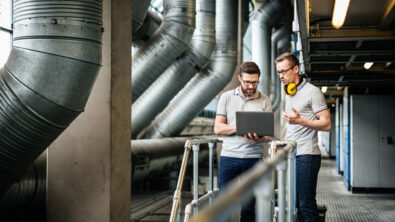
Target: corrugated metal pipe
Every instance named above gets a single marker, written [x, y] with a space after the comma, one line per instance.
[277, 35]
[261, 28]
[167, 43]
[158, 95]
[47, 79]
[151, 24]
[27, 196]
[139, 13]
[206, 85]
[283, 45]
[152, 157]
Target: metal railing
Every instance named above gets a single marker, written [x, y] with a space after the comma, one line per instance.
[258, 182]
[193, 145]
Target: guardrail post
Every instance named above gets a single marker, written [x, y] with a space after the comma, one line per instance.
[177, 193]
[211, 168]
[281, 167]
[263, 195]
[195, 148]
[290, 187]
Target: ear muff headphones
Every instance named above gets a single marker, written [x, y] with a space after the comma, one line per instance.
[291, 88]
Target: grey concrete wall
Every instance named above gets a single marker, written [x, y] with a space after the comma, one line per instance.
[89, 164]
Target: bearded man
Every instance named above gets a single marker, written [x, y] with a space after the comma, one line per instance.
[239, 153]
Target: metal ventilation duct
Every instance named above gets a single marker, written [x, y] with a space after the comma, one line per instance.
[139, 12]
[207, 84]
[283, 45]
[47, 79]
[167, 43]
[277, 35]
[151, 24]
[261, 28]
[28, 194]
[158, 95]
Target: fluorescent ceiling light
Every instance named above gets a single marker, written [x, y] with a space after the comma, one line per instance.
[367, 65]
[339, 12]
[324, 89]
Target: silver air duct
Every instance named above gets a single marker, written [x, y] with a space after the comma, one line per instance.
[261, 28]
[167, 43]
[283, 45]
[152, 157]
[27, 195]
[139, 12]
[151, 24]
[158, 95]
[207, 84]
[47, 79]
[277, 35]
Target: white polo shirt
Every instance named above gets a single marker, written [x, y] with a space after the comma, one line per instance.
[308, 101]
[230, 102]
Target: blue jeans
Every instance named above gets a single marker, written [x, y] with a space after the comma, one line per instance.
[230, 168]
[307, 167]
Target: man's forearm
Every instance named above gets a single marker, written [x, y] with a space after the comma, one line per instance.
[319, 125]
[223, 129]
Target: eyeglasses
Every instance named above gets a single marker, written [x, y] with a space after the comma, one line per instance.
[254, 83]
[284, 71]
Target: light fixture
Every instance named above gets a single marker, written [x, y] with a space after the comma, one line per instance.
[324, 89]
[367, 65]
[339, 13]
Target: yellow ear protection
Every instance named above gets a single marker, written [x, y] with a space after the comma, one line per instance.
[291, 88]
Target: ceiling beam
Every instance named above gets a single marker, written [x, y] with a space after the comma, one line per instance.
[389, 16]
[352, 52]
[353, 35]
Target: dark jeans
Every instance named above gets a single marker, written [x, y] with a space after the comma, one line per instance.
[230, 168]
[307, 167]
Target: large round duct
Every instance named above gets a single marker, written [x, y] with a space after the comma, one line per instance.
[47, 79]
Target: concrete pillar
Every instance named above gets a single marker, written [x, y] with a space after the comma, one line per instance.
[89, 165]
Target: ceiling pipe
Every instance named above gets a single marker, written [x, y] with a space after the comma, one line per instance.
[279, 33]
[167, 43]
[47, 79]
[139, 13]
[261, 28]
[158, 95]
[208, 83]
[151, 24]
[283, 45]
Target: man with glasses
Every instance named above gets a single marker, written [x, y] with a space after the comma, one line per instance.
[306, 113]
[239, 153]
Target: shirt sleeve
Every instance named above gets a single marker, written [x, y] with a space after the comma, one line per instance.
[318, 102]
[221, 108]
[268, 107]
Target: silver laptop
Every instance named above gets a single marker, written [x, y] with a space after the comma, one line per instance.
[262, 123]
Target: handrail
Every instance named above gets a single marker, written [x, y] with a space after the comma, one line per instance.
[192, 145]
[257, 180]
[188, 208]
[177, 193]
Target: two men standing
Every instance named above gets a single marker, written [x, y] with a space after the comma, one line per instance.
[306, 113]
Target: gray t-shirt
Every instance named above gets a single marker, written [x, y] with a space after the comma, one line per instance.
[230, 102]
[308, 101]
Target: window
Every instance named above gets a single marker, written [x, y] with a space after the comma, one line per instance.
[5, 30]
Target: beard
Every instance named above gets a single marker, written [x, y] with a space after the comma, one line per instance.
[248, 92]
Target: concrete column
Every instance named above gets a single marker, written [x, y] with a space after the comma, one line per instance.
[89, 165]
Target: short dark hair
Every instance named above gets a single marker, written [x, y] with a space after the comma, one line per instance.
[250, 68]
[294, 61]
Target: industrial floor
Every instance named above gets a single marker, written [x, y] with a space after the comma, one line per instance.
[342, 205]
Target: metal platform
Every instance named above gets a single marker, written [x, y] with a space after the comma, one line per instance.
[343, 205]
